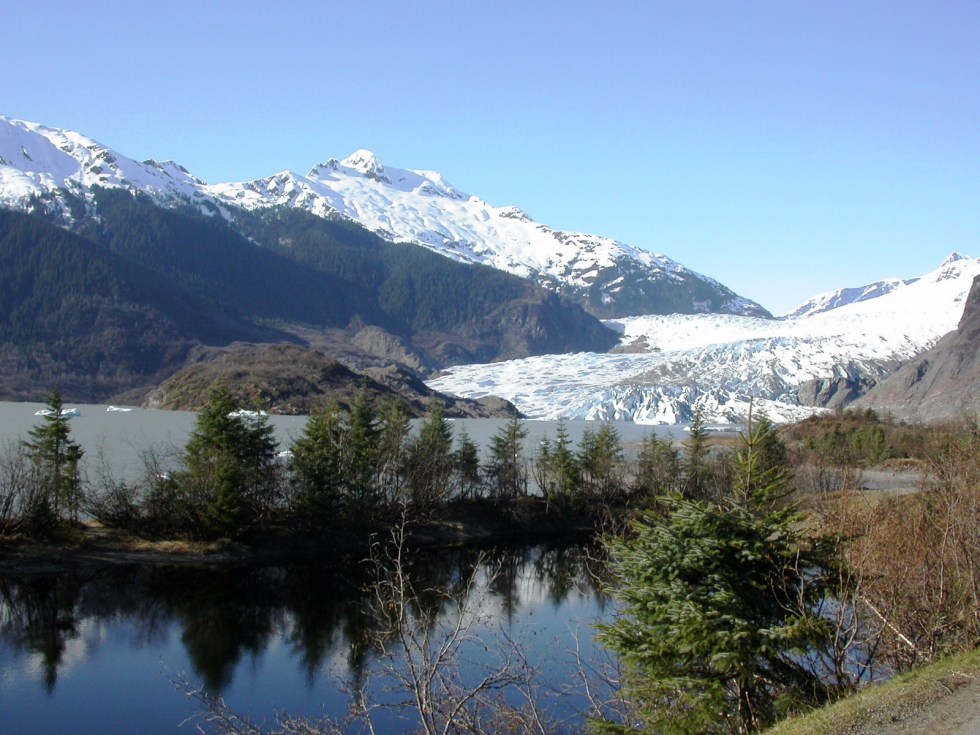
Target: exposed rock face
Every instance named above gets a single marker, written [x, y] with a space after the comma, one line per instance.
[833, 392]
[941, 383]
[848, 383]
[378, 343]
[288, 379]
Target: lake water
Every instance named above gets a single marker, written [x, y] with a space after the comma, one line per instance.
[123, 437]
[95, 651]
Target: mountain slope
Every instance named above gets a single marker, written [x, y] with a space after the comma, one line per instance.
[943, 382]
[120, 301]
[77, 316]
[43, 168]
[671, 365]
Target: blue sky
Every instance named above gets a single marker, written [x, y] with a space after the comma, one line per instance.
[783, 148]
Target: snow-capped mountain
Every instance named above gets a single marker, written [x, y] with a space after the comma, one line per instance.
[38, 161]
[844, 296]
[671, 365]
[609, 278]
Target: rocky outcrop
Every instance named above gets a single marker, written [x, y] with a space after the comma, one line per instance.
[388, 348]
[288, 379]
[941, 383]
[848, 383]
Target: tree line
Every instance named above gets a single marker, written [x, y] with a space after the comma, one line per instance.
[358, 468]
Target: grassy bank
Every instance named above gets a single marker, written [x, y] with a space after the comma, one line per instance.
[898, 702]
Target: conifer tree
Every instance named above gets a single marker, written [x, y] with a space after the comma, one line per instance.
[467, 463]
[55, 459]
[317, 471]
[696, 469]
[506, 472]
[230, 466]
[430, 461]
[716, 608]
[557, 469]
[600, 461]
[361, 453]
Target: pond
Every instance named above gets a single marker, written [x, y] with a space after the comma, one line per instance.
[97, 650]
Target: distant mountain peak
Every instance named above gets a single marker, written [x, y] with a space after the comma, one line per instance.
[951, 268]
[366, 163]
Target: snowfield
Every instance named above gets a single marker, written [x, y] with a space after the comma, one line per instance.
[721, 362]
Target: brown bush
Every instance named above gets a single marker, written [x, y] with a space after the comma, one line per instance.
[918, 556]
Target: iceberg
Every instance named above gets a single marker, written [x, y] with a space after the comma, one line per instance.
[65, 412]
[243, 413]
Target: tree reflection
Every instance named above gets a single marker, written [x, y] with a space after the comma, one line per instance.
[38, 615]
[324, 610]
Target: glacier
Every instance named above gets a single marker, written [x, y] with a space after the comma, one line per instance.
[667, 367]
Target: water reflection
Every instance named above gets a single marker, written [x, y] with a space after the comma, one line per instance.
[322, 614]
[38, 615]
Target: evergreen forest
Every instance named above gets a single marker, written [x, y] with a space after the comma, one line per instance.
[117, 299]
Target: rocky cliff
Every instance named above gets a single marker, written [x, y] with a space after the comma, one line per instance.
[941, 383]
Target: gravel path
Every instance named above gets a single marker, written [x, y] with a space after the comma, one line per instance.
[948, 708]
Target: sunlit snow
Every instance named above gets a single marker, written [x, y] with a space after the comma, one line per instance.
[400, 205]
[719, 362]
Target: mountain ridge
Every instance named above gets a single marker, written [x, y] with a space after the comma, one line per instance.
[607, 277]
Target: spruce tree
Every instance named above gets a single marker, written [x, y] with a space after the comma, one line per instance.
[696, 470]
[600, 461]
[55, 459]
[361, 453]
[557, 470]
[467, 463]
[506, 472]
[430, 462]
[716, 602]
[317, 472]
[231, 469]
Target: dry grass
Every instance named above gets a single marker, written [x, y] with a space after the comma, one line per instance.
[901, 699]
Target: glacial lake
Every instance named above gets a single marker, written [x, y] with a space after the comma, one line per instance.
[120, 439]
[96, 650]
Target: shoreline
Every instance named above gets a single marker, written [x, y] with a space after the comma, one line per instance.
[92, 544]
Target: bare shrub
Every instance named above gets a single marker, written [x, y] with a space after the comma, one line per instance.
[111, 501]
[919, 555]
[16, 495]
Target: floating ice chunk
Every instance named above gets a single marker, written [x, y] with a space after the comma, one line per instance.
[243, 413]
[65, 412]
